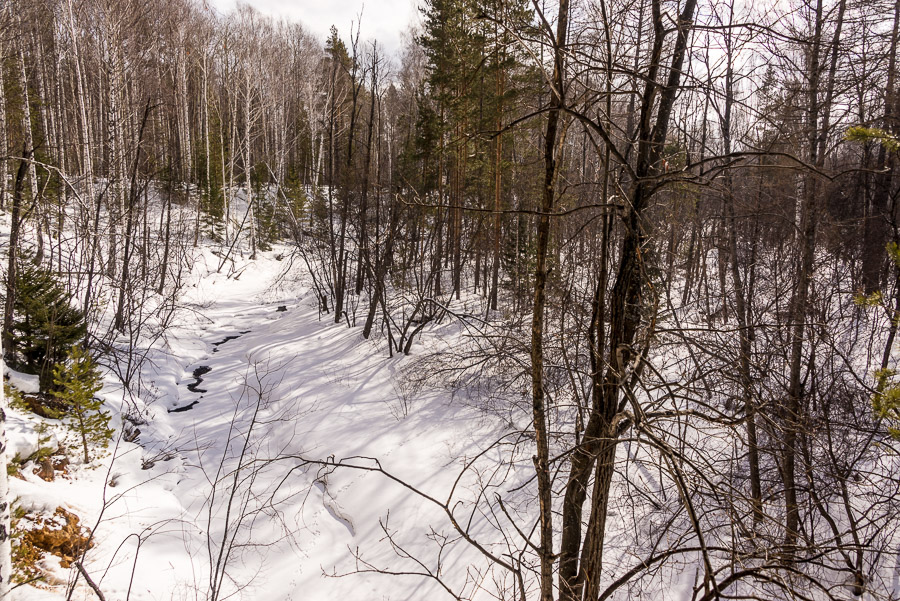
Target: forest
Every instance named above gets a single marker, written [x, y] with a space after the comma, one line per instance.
[635, 262]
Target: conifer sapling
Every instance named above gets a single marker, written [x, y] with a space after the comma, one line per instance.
[77, 381]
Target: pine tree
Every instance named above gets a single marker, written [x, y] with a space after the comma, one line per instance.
[45, 324]
[77, 381]
[470, 63]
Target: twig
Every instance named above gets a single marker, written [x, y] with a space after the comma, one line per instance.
[90, 582]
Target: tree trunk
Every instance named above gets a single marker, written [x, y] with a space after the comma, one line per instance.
[12, 265]
[4, 143]
[742, 309]
[817, 136]
[29, 142]
[247, 166]
[133, 195]
[498, 174]
[875, 219]
[364, 191]
[625, 303]
[539, 411]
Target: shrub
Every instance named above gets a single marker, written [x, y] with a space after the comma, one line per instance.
[14, 398]
[39, 404]
[77, 381]
[886, 400]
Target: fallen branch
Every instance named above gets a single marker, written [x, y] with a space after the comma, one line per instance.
[90, 582]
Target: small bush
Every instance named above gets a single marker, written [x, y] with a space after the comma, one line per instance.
[25, 557]
[77, 381]
[45, 405]
[14, 466]
[44, 449]
[14, 398]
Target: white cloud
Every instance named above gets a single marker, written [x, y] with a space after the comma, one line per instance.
[382, 20]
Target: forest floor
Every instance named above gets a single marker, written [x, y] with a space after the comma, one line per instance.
[214, 492]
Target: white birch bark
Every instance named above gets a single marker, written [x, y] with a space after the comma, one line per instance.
[32, 170]
[44, 112]
[184, 116]
[116, 140]
[87, 166]
[26, 123]
[206, 118]
[204, 125]
[234, 152]
[250, 216]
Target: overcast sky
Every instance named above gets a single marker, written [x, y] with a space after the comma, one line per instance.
[383, 20]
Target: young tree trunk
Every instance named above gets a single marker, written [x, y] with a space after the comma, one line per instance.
[343, 258]
[875, 224]
[167, 241]
[456, 211]
[183, 112]
[817, 136]
[540, 421]
[116, 122]
[379, 271]
[626, 300]
[29, 142]
[86, 152]
[51, 141]
[740, 297]
[12, 265]
[133, 196]
[226, 181]
[364, 198]
[498, 174]
[438, 253]
[205, 125]
[4, 142]
[247, 166]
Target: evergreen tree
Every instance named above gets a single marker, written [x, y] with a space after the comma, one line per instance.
[471, 85]
[77, 381]
[45, 323]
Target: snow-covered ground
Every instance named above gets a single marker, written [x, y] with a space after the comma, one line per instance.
[282, 456]
[217, 494]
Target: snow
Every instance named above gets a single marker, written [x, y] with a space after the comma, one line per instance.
[24, 435]
[22, 382]
[279, 449]
[302, 389]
